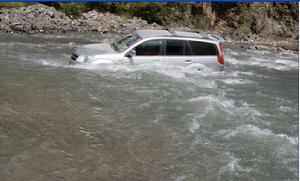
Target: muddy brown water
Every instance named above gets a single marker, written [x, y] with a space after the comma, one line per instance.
[148, 122]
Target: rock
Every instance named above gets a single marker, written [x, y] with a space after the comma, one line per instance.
[51, 14]
[286, 45]
[35, 18]
[110, 23]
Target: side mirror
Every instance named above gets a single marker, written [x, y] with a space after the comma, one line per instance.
[130, 54]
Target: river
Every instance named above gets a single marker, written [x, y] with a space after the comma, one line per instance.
[146, 122]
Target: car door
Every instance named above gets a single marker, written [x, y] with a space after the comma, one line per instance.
[177, 52]
[147, 52]
[205, 53]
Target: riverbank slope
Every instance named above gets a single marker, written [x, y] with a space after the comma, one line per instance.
[254, 23]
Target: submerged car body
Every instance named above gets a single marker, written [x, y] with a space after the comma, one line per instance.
[146, 46]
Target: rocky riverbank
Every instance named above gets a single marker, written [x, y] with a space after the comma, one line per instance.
[40, 18]
[43, 19]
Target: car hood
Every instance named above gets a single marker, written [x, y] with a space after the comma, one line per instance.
[94, 49]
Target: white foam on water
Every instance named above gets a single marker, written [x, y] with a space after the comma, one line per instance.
[246, 104]
[221, 101]
[252, 130]
[248, 129]
[234, 61]
[39, 45]
[228, 106]
[180, 72]
[231, 74]
[259, 52]
[41, 61]
[176, 72]
[247, 73]
[194, 126]
[203, 83]
[292, 140]
[288, 55]
[172, 71]
[247, 110]
[52, 36]
[87, 133]
[196, 122]
[232, 165]
[236, 81]
[278, 63]
[118, 71]
[285, 109]
[51, 63]
[234, 53]
[158, 118]
[180, 178]
[93, 97]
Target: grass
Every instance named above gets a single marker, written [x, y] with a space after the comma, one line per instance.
[14, 4]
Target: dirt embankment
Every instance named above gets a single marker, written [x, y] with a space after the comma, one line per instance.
[274, 23]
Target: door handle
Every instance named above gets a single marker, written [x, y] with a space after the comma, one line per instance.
[188, 61]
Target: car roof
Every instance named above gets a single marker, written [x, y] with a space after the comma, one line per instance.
[183, 34]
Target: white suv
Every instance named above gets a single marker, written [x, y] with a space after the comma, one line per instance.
[146, 46]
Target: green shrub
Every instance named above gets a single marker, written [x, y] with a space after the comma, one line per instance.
[73, 10]
[151, 12]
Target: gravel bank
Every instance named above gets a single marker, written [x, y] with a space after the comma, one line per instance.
[43, 19]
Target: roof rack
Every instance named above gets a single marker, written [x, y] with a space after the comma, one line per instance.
[215, 37]
[171, 31]
[198, 33]
[209, 36]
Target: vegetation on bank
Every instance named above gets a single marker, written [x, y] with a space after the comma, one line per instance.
[13, 4]
[278, 20]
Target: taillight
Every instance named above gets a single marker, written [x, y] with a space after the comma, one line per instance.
[221, 54]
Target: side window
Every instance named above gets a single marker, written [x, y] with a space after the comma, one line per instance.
[149, 48]
[174, 47]
[203, 48]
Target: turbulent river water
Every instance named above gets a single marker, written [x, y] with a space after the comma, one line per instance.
[148, 122]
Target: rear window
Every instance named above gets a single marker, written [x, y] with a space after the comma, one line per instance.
[203, 48]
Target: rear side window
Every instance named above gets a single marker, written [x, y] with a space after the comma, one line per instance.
[177, 48]
[203, 48]
[174, 47]
[149, 48]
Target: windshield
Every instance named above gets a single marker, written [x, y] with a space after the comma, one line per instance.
[123, 44]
